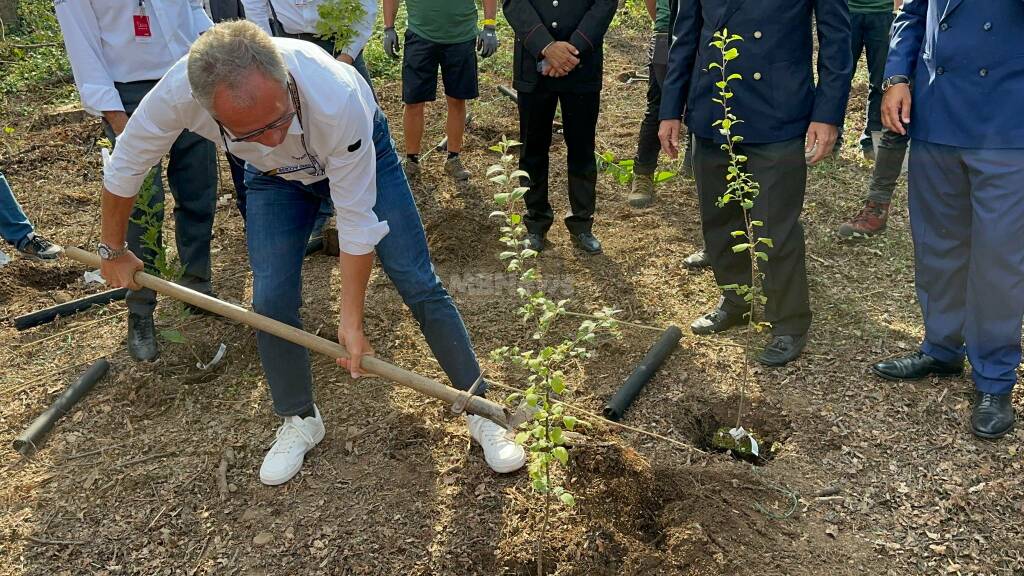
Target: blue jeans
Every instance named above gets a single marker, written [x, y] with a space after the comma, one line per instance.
[14, 225]
[968, 226]
[280, 216]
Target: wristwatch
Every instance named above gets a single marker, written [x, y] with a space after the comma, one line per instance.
[894, 79]
[108, 253]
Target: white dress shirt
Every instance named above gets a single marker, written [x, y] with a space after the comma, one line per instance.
[337, 109]
[100, 39]
[301, 16]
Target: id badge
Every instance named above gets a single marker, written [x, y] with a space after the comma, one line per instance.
[140, 20]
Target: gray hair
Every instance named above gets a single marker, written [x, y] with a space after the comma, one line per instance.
[225, 55]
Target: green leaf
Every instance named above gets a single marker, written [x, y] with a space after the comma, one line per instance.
[569, 422]
[567, 499]
[556, 436]
[663, 175]
[172, 336]
[740, 247]
[561, 454]
[738, 233]
[531, 399]
[767, 242]
[522, 437]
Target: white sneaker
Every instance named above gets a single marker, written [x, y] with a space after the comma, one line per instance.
[502, 455]
[294, 438]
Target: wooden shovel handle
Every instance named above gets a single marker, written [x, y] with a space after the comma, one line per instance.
[475, 405]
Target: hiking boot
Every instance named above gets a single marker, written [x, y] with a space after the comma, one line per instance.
[411, 169]
[869, 221]
[295, 437]
[454, 168]
[39, 248]
[642, 194]
[501, 454]
[142, 337]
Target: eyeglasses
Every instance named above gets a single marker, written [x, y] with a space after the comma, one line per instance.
[282, 121]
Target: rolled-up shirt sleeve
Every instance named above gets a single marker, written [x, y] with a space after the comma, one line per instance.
[81, 33]
[352, 171]
[150, 133]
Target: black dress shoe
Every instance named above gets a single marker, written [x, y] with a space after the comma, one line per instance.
[717, 320]
[783, 349]
[993, 415]
[697, 260]
[536, 242]
[916, 366]
[587, 242]
[142, 337]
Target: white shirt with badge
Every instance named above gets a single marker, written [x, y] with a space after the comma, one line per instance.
[337, 111]
[125, 41]
[301, 17]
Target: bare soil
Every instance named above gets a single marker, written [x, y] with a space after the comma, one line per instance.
[872, 477]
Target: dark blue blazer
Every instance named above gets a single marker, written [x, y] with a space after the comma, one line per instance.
[966, 59]
[777, 97]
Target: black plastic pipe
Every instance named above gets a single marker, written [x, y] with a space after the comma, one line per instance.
[29, 440]
[510, 93]
[47, 315]
[657, 354]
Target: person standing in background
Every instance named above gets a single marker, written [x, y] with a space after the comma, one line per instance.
[954, 81]
[441, 34]
[790, 118]
[558, 60]
[648, 146]
[118, 53]
[870, 23]
[889, 151]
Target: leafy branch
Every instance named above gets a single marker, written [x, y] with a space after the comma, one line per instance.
[544, 434]
[337, 21]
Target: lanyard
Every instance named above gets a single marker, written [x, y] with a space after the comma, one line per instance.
[312, 166]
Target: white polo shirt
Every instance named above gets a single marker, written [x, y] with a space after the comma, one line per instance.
[100, 37]
[301, 17]
[337, 108]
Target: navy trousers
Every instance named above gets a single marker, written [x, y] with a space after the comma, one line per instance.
[967, 219]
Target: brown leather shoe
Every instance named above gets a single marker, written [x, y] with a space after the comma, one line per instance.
[869, 221]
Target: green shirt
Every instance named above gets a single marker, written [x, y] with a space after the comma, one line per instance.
[870, 6]
[663, 17]
[443, 21]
